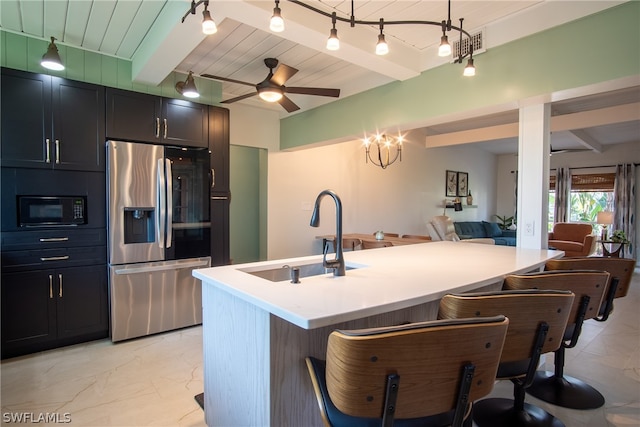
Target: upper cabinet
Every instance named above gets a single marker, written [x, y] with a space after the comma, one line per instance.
[51, 122]
[133, 116]
[219, 149]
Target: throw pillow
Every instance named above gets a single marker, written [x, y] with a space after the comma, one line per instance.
[492, 229]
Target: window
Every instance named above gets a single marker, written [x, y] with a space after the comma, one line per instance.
[590, 194]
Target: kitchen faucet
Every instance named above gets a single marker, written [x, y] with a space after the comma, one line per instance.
[336, 264]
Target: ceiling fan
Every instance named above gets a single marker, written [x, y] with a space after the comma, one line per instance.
[567, 150]
[272, 88]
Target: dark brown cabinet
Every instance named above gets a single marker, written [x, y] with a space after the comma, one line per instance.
[220, 191]
[44, 309]
[51, 122]
[133, 116]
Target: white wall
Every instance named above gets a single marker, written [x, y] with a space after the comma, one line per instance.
[399, 199]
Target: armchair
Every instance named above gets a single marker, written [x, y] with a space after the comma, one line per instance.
[575, 239]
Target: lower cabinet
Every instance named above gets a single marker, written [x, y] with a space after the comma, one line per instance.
[43, 309]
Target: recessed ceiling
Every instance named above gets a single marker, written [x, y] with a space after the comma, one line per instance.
[150, 34]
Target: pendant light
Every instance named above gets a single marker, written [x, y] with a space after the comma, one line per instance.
[277, 23]
[333, 43]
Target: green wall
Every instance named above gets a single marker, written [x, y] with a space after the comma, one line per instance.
[24, 53]
[597, 48]
[248, 204]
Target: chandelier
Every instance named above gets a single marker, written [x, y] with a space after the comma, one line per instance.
[386, 149]
[277, 24]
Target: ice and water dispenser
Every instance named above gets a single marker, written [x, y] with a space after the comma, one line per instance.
[139, 225]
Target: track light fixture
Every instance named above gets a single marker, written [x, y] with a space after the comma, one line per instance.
[333, 43]
[188, 87]
[382, 48]
[277, 23]
[208, 24]
[387, 149]
[51, 59]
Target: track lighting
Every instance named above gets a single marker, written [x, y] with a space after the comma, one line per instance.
[277, 23]
[188, 88]
[469, 70]
[382, 48]
[333, 43]
[208, 24]
[51, 59]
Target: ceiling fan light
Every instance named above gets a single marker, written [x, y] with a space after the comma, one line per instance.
[208, 24]
[470, 69]
[188, 88]
[382, 48]
[277, 23]
[445, 48]
[333, 43]
[270, 94]
[51, 59]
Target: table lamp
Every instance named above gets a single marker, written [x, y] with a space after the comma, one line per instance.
[605, 218]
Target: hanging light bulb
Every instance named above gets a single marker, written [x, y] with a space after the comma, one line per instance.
[381, 47]
[208, 24]
[333, 43]
[469, 70]
[445, 48]
[277, 23]
[51, 59]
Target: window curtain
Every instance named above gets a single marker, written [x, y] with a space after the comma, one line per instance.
[563, 194]
[624, 195]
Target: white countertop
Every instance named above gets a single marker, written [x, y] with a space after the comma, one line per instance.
[386, 279]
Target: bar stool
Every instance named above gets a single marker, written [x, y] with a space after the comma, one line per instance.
[589, 287]
[537, 320]
[420, 374]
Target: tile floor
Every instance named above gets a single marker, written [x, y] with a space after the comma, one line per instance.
[152, 381]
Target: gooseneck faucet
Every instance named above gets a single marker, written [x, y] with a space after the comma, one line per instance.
[336, 264]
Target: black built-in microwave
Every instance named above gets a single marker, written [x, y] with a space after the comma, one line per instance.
[35, 211]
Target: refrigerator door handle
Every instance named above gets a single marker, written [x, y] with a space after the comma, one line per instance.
[169, 203]
[149, 269]
[162, 204]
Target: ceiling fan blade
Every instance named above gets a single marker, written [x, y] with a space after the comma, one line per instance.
[335, 93]
[225, 79]
[288, 104]
[282, 74]
[239, 98]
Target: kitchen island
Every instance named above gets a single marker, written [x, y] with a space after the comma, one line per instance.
[256, 332]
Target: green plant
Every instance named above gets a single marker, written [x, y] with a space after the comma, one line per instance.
[505, 221]
[619, 236]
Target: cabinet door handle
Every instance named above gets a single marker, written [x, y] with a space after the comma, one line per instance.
[51, 286]
[60, 281]
[54, 258]
[157, 127]
[213, 178]
[165, 128]
[47, 156]
[57, 151]
[54, 239]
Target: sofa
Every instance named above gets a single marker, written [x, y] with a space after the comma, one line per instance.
[484, 229]
[441, 228]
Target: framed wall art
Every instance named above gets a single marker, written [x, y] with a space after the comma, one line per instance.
[463, 184]
[451, 182]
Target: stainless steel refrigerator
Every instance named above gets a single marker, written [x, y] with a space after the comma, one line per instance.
[159, 230]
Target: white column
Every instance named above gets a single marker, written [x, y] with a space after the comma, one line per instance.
[533, 176]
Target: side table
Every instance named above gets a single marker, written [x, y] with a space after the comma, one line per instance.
[614, 253]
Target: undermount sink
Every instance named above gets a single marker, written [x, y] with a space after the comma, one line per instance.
[282, 273]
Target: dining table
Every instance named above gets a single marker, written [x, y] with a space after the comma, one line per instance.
[396, 241]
